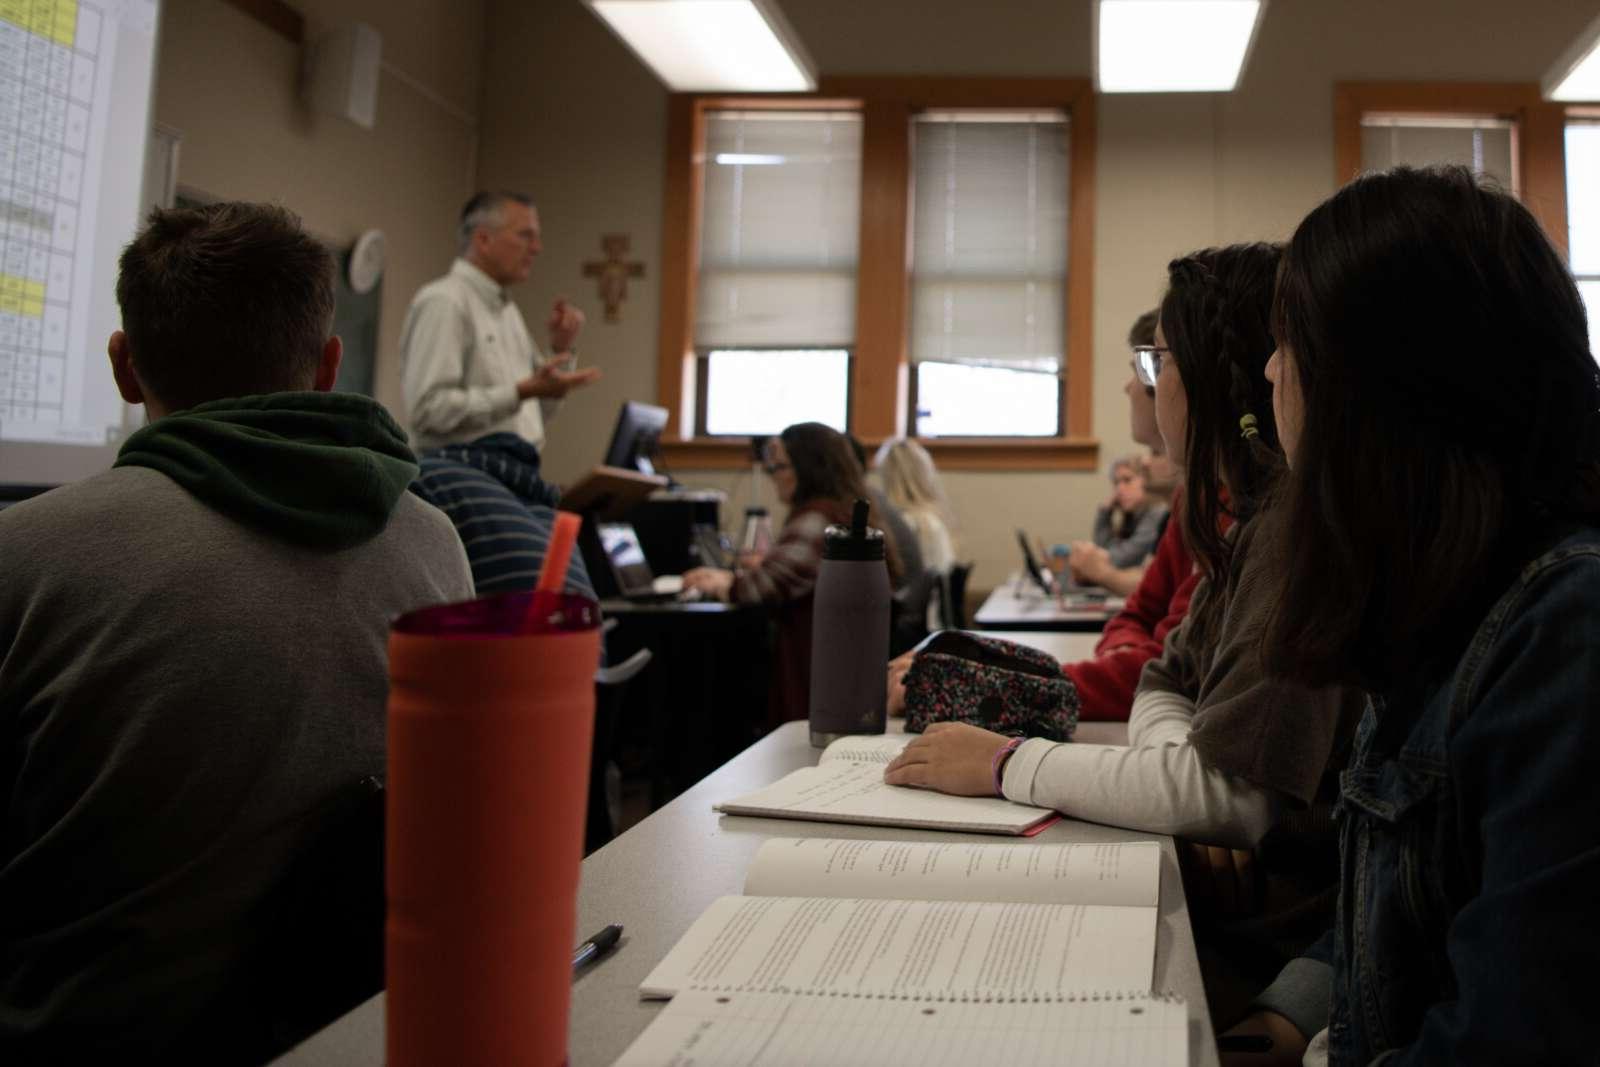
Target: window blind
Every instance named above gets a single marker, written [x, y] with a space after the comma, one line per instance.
[1583, 218]
[780, 228]
[1486, 145]
[989, 239]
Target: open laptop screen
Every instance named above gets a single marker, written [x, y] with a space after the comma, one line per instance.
[621, 543]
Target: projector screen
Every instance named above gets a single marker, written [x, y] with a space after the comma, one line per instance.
[75, 91]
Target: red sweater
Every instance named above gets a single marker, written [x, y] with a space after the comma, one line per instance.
[1106, 683]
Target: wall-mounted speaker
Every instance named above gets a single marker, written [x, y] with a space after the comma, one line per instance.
[341, 73]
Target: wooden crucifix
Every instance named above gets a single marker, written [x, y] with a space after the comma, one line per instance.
[613, 272]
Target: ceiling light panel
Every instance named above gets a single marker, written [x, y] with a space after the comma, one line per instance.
[1173, 46]
[711, 45]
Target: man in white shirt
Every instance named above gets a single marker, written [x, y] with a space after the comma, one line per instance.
[468, 366]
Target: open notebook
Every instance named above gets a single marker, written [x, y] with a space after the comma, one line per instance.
[747, 1029]
[847, 785]
[928, 918]
[922, 953]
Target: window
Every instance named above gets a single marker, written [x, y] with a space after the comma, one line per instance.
[759, 392]
[775, 311]
[1505, 130]
[1485, 144]
[988, 267]
[811, 260]
[1583, 217]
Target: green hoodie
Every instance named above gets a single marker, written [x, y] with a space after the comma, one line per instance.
[317, 469]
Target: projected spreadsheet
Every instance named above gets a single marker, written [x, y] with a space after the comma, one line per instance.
[49, 63]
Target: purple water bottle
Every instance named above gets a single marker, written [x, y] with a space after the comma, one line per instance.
[850, 633]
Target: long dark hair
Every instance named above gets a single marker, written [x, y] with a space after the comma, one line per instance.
[1451, 407]
[829, 477]
[1216, 317]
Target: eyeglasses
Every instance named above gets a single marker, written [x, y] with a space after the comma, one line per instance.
[1147, 360]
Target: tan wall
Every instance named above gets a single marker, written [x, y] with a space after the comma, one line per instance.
[572, 115]
[230, 85]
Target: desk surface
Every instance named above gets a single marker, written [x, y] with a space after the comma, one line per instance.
[1065, 647]
[658, 877]
[1019, 606]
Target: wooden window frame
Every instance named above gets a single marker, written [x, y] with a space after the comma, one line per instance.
[1541, 132]
[880, 370]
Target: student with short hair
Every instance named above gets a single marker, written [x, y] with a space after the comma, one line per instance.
[193, 663]
[1128, 524]
[1440, 531]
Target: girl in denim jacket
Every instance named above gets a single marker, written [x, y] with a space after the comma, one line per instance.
[1438, 406]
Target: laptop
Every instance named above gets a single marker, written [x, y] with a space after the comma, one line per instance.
[1032, 566]
[625, 556]
[1048, 582]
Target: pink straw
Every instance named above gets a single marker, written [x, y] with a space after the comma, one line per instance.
[554, 573]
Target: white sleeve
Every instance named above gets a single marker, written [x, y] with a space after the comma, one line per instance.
[433, 344]
[1159, 717]
[1161, 788]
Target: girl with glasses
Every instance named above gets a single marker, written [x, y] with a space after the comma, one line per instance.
[1219, 752]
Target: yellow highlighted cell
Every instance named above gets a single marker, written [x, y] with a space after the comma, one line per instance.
[54, 20]
[21, 296]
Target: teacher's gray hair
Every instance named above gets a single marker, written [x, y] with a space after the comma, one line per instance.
[486, 209]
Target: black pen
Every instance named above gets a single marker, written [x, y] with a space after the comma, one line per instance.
[595, 945]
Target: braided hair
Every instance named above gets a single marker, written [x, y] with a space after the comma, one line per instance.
[1216, 317]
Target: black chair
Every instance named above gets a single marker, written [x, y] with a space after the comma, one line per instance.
[610, 684]
[953, 597]
[909, 615]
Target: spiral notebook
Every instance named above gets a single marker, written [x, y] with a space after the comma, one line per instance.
[928, 918]
[847, 785]
[712, 1028]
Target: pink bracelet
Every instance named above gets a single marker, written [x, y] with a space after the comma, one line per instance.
[1000, 758]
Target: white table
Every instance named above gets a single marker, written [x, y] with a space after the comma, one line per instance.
[1064, 646]
[658, 877]
[1017, 605]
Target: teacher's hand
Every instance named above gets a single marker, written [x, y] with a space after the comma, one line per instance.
[550, 381]
[950, 757]
[564, 324]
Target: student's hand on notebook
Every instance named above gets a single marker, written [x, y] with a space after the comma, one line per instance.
[713, 582]
[951, 757]
[897, 684]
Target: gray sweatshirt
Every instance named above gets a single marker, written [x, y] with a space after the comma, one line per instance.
[178, 690]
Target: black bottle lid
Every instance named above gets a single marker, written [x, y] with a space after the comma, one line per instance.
[748, 512]
[858, 541]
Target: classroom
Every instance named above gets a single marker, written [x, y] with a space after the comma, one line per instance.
[1097, 500]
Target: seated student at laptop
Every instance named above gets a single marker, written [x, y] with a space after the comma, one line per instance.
[816, 473]
[193, 651]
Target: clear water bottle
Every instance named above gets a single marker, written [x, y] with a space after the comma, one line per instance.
[850, 633]
[756, 540]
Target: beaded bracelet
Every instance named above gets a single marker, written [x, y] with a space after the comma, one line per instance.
[1000, 757]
